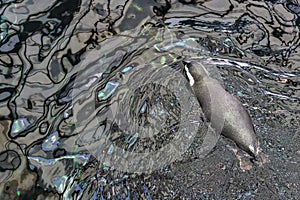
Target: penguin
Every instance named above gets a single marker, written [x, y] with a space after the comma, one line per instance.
[215, 101]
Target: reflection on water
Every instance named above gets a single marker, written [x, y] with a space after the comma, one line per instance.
[60, 57]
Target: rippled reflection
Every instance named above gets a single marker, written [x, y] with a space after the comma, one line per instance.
[46, 46]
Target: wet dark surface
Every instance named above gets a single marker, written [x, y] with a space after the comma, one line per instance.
[64, 66]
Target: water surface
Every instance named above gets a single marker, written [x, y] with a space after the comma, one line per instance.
[65, 65]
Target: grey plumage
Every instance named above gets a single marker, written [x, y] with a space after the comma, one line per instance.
[224, 111]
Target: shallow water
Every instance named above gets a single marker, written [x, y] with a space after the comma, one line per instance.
[77, 74]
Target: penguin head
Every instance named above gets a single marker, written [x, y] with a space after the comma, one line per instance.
[195, 72]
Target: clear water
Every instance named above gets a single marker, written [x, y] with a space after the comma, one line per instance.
[76, 74]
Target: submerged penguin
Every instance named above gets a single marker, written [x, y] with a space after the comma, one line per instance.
[215, 101]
